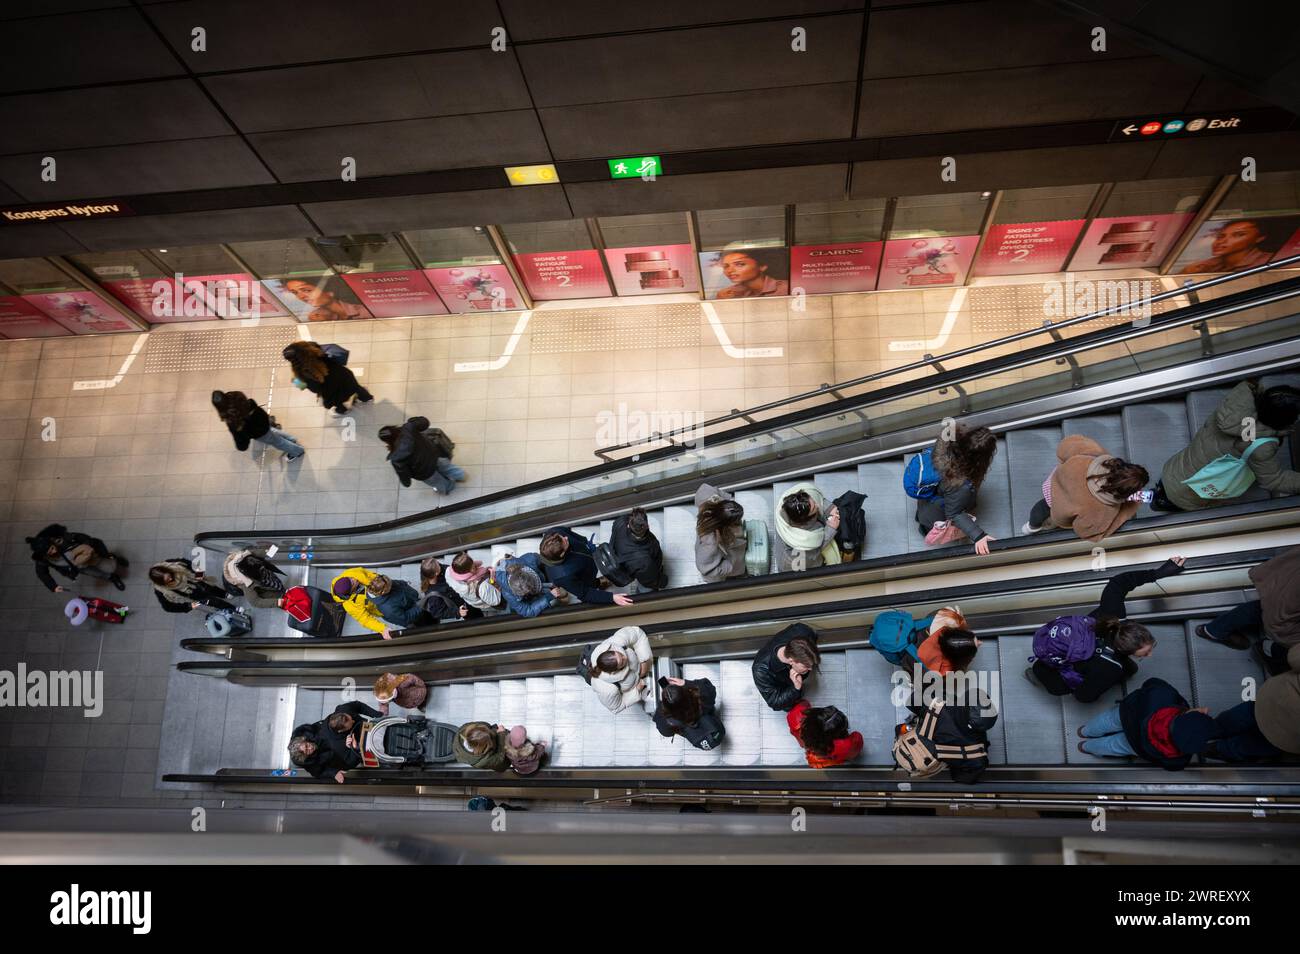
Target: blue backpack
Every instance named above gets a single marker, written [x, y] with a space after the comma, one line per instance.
[896, 634]
[920, 479]
[1063, 642]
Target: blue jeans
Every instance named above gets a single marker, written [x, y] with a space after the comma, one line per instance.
[282, 442]
[1239, 737]
[1105, 735]
[444, 481]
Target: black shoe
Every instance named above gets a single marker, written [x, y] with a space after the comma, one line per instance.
[1234, 641]
[1272, 665]
[1211, 751]
[122, 562]
[117, 581]
[340, 410]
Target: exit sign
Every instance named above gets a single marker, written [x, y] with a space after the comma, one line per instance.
[636, 167]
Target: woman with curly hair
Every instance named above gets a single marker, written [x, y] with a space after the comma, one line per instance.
[334, 383]
[962, 464]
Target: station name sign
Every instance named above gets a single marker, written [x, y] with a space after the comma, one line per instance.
[65, 210]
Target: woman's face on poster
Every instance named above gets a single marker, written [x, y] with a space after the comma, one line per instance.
[1236, 237]
[307, 292]
[739, 267]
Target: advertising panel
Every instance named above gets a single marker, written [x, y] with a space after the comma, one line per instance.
[469, 288]
[81, 312]
[825, 269]
[401, 294]
[1227, 245]
[1027, 248]
[1290, 249]
[652, 269]
[746, 273]
[549, 276]
[1128, 241]
[926, 262]
[195, 297]
[18, 319]
[317, 298]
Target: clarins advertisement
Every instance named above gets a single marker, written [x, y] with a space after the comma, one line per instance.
[318, 298]
[401, 294]
[1128, 241]
[470, 288]
[926, 262]
[550, 276]
[1027, 248]
[746, 273]
[652, 269]
[826, 269]
[1228, 245]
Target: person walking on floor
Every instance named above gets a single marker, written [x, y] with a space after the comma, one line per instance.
[247, 421]
[325, 377]
[70, 554]
[417, 453]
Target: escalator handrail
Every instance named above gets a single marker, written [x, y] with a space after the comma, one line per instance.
[930, 361]
[939, 380]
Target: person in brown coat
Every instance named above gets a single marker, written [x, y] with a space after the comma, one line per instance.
[1274, 616]
[1277, 707]
[408, 690]
[1091, 491]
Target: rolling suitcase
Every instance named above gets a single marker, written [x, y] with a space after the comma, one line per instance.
[758, 560]
[224, 623]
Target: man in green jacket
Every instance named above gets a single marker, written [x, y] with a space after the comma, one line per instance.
[1246, 411]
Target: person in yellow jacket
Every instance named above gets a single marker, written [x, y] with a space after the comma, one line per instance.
[349, 588]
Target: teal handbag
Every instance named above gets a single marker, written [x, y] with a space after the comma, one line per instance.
[1227, 476]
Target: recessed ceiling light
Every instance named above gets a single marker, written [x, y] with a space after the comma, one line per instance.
[985, 195]
[162, 250]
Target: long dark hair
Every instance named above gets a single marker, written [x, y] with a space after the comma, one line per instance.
[1122, 635]
[1122, 479]
[723, 517]
[968, 455]
[233, 407]
[822, 728]
[680, 703]
[307, 360]
[958, 646]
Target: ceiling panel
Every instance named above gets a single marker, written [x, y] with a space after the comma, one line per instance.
[14, 9]
[251, 33]
[135, 170]
[108, 115]
[445, 210]
[1272, 152]
[1026, 96]
[39, 238]
[531, 20]
[1023, 168]
[99, 46]
[801, 114]
[402, 87]
[193, 228]
[957, 37]
[714, 190]
[413, 145]
[681, 62]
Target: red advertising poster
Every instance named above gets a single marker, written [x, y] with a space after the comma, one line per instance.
[652, 269]
[1229, 245]
[468, 288]
[195, 298]
[1290, 249]
[1027, 248]
[825, 269]
[18, 319]
[401, 294]
[1128, 241]
[553, 275]
[926, 262]
[81, 312]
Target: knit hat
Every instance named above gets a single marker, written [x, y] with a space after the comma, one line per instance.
[1191, 732]
[517, 737]
[344, 587]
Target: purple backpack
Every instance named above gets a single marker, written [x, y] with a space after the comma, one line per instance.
[1063, 642]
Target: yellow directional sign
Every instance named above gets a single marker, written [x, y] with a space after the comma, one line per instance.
[531, 175]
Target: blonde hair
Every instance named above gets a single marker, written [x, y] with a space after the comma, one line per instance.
[386, 687]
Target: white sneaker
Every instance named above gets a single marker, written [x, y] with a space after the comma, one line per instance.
[1027, 529]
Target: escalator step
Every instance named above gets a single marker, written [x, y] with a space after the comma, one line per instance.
[871, 710]
[890, 512]
[1218, 672]
[567, 729]
[1031, 456]
[1106, 429]
[1155, 431]
[1032, 720]
[678, 543]
[512, 707]
[1201, 404]
[1170, 661]
[487, 700]
[744, 712]
[993, 507]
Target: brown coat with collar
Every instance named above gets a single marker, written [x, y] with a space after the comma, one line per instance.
[1078, 502]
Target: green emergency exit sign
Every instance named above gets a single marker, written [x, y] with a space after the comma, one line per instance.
[635, 167]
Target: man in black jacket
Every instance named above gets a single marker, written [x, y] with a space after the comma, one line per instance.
[71, 554]
[781, 666]
[415, 456]
[567, 562]
[331, 746]
[638, 550]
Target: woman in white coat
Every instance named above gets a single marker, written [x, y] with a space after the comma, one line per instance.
[620, 667]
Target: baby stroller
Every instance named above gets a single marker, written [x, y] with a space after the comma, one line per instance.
[400, 741]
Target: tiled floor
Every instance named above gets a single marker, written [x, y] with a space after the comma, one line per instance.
[145, 464]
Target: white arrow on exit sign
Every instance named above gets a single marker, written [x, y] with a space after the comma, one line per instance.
[1129, 130]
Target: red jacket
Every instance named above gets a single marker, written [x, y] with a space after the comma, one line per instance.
[842, 751]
